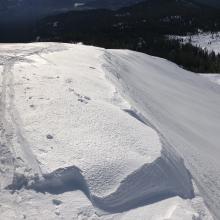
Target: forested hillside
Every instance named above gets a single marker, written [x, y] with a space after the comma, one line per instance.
[143, 27]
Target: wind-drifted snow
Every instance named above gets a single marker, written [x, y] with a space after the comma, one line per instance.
[183, 107]
[65, 127]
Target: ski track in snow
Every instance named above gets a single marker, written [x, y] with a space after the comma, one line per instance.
[144, 171]
[11, 127]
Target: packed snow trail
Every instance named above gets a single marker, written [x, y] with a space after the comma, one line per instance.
[183, 107]
[65, 128]
[9, 127]
[16, 155]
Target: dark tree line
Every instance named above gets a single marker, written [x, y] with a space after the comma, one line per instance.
[142, 27]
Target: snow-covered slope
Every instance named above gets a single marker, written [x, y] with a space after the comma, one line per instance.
[74, 147]
[212, 77]
[182, 106]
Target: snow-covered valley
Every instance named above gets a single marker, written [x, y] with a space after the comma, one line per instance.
[207, 41]
[89, 133]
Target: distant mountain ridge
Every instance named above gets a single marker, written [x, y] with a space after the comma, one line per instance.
[143, 27]
[21, 10]
[215, 3]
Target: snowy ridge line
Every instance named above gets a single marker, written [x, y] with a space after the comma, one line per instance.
[182, 105]
[170, 173]
[99, 157]
[152, 182]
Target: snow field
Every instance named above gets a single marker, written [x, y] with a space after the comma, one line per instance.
[72, 130]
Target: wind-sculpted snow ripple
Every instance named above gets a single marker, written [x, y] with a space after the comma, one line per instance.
[149, 184]
[164, 178]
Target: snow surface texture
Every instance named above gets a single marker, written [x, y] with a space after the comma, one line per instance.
[208, 41]
[182, 106]
[212, 77]
[72, 146]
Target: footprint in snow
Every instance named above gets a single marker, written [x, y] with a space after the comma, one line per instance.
[57, 202]
[51, 77]
[26, 78]
[49, 137]
[71, 90]
[81, 98]
[87, 98]
[43, 151]
[57, 213]
[69, 81]
[84, 99]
